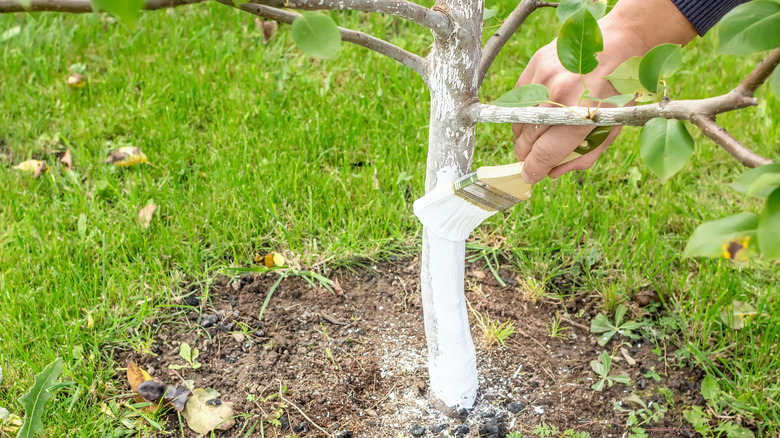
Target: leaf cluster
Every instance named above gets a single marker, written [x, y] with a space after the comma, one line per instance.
[609, 329]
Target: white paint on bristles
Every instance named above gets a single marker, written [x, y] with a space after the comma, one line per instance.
[447, 215]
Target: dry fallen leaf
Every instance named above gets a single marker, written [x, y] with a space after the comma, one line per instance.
[630, 360]
[126, 156]
[136, 375]
[337, 287]
[36, 167]
[269, 30]
[205, 411]
[67, 160]
[76, 80]
[145, 214]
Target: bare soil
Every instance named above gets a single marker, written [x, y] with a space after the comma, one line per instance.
[354, 362]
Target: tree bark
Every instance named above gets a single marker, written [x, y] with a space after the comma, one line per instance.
[452, 69]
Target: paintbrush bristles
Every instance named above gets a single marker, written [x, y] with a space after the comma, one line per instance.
[447, 215]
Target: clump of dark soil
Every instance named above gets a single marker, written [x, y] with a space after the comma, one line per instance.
[353, 363]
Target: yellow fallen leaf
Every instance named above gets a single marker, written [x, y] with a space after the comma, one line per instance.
[205, 411]
[76, 80]
[270, 260]
[145, 215]
[126, 156]
[36, 167]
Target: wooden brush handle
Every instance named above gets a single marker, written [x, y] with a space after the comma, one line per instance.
[508, 179]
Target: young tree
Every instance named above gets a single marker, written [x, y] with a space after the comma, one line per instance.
[454, 70]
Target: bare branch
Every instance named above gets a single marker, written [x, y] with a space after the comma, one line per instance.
[433, 20]
[505, 31]
[759, 74]
[719, 135]
[80, 6]
[408, 59]
[635, 116]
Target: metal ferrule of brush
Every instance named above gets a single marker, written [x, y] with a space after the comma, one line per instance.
[483, 195]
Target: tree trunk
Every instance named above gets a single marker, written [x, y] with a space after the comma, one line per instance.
[452, 68]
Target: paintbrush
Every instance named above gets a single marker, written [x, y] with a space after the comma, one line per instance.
[452, 210]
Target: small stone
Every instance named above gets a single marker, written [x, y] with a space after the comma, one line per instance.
[439, 428]
[534, 384]
[641, 383]
[226, 327]
[686, 433]
[207, 321]
[151, 371]
[462, 429]
[258, 333]
[236, 313]
[691, 385]
[515, 407]
[371, 413]
[302, 427]
[344, 434]
[192, 300]
[296, 294]
[238, 336]
[232, 301]
[417, 430]
[236, 285]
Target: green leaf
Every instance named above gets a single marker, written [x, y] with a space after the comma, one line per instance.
[527, 95]
[708, 238]
[768, 233]
[665, 146]
[601, 324]
[710, 388]
[487, 14]
[25, 3]
[660, 61]
[774, 82]
[620, 313]
[751, 27]
[622, 378]
[567, 8]
[34, 401]
[598, 386]
[578, 42]
[625, 79]
[759, 182]
[736, 316]
[317, 35]
[128, 11]
[185, 352]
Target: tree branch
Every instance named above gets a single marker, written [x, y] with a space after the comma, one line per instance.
[750, 84]
[433, 20]
[505, 31]
[719, 135]
[80, 6]
[408, 59]
[634, 116]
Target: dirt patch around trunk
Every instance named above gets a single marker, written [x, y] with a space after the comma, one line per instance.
[353, 363]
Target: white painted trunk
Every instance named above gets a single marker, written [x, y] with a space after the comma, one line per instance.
[452, 68]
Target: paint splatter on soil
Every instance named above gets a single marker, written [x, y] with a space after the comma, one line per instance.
[353, 363]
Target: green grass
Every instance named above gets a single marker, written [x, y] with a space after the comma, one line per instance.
[257, 148]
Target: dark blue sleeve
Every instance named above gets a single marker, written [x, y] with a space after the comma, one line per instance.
[703, 14]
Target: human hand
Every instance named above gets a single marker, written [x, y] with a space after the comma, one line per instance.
[630, 29]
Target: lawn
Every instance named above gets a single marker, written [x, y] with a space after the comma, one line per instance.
[256, 148]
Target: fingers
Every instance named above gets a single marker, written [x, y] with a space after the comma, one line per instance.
[549, 149]
[586, 161]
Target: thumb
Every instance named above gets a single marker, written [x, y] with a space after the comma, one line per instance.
[550, 149]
